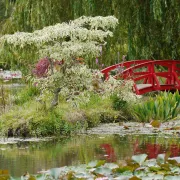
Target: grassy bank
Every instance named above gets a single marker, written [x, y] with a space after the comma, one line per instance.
[27, 115]
[30, 117]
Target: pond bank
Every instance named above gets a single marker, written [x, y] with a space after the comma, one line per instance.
[169, 128]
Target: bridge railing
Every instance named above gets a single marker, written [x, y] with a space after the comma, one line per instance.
[149, 75]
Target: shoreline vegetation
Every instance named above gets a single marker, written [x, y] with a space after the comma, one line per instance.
[29, 117]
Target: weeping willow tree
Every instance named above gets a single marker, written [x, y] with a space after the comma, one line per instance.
[148, 29]
[30, 15]
[154, 29]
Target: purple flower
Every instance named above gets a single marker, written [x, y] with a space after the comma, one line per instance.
[97, 60]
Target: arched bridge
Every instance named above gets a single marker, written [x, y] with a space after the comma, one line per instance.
[148, 75]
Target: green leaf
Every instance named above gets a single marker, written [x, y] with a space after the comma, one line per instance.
[56, 172]
[154, 177]
[165, 167]
[124, 169]
[154, 168]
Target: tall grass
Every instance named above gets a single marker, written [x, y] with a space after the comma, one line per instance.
[164, 107]
[26, 94]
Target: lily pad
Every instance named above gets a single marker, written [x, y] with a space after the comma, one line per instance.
[154, 168]
[150, 162]
[139, 158]
[154, 177]
[172, 178]
[83, 175]
[103, 171]
[155, 123]
[177, 159]
[134, 178]
[123, 177]
[161, 158]
[111, 165]
[93, 164]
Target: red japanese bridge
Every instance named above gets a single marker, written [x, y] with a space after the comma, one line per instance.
[148, 75]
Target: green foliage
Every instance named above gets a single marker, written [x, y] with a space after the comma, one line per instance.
[118, 102]
[164, 106]
[4, 98]
[100, 110]
[26, 94]
[34, 121]
[50, 124]
[30, 117]
[45, 12]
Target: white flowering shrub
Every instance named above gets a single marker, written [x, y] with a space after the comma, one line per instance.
[72, 44]
[73, 82]
[78, 38]
[122, 88]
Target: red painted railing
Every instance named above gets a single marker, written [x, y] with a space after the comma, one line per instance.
[148, 75]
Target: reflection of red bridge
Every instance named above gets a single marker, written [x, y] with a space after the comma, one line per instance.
[152, 150]
[148, 75]
[109, 150]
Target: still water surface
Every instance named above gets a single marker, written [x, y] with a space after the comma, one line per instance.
[36, 156]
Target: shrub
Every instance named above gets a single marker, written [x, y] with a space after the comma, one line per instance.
[164, 106]
[51, 124]
[118, 102]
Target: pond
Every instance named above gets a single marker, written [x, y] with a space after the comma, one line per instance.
[24, 156]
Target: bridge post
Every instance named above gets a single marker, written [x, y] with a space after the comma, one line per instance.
[151, 71]
[172, 73]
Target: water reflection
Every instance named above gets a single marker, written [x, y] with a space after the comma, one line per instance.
[152, 150]
[109, 152]
[36, 156]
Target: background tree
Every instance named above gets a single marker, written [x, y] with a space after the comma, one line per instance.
[146, 30]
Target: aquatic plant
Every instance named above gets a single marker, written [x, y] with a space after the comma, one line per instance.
[137, 167]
